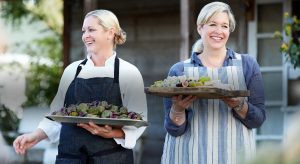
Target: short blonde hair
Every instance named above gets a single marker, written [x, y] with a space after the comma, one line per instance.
[108, 20]
[209, 11]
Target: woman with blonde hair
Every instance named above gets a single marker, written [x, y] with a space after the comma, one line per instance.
[102, 76]
[219, 131]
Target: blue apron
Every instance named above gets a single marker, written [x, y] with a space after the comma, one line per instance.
[79, 146]
[214, 135]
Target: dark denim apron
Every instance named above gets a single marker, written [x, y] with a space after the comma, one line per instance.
[79, 146]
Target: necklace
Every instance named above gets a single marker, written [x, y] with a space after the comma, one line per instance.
[214, 63]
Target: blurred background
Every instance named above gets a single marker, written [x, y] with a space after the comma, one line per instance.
[38, 38]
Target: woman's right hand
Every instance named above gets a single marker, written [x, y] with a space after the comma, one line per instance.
[27, 141]
[179, 104]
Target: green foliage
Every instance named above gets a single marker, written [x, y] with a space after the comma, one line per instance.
[46, 65]
[14, 11]
[50, 12]
[9, 124]
[42, 79]
[42, 84]
[290, 46]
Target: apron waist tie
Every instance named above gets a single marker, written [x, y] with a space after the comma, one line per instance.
[88, 159]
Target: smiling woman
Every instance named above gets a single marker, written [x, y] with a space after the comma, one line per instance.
[101, 76]
[214, 130]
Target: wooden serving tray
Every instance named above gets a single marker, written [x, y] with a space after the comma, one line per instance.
[206, 92]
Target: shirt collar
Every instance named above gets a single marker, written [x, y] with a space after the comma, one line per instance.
[109, 62]
[196, 60]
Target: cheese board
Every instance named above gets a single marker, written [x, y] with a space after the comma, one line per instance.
[206, 92]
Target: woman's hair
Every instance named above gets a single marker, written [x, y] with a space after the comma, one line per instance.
[108, 20]
[209, 11]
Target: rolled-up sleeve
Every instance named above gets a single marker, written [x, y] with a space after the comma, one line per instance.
[173, 129]
[256, 102]
[134, 98]
[51, 129]
[132, 134]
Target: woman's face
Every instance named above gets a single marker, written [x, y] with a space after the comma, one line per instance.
[94, 36]
[215, 32]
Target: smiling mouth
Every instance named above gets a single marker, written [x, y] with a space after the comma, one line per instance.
[88, 43]
[216, 38]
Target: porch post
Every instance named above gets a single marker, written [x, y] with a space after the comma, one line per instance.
[66, 32]
[89, 5]
[186, 15]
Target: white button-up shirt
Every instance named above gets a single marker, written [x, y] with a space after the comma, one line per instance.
[131, 88]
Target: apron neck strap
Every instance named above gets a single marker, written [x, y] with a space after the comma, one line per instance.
[80, 67]
[116, 69]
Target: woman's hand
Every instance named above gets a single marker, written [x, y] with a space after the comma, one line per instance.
[179, 104]
[105, 131]
[234, 102]
[27, 141]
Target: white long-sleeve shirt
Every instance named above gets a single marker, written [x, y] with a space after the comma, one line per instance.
[132, 93]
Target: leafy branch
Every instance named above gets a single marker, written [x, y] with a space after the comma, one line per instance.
[45, 69]
[290, 38]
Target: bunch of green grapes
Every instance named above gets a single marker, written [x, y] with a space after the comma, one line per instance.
[181, 81]
[200, 82]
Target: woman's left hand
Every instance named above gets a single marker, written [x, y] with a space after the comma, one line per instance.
[105, 131]
[233, 102]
